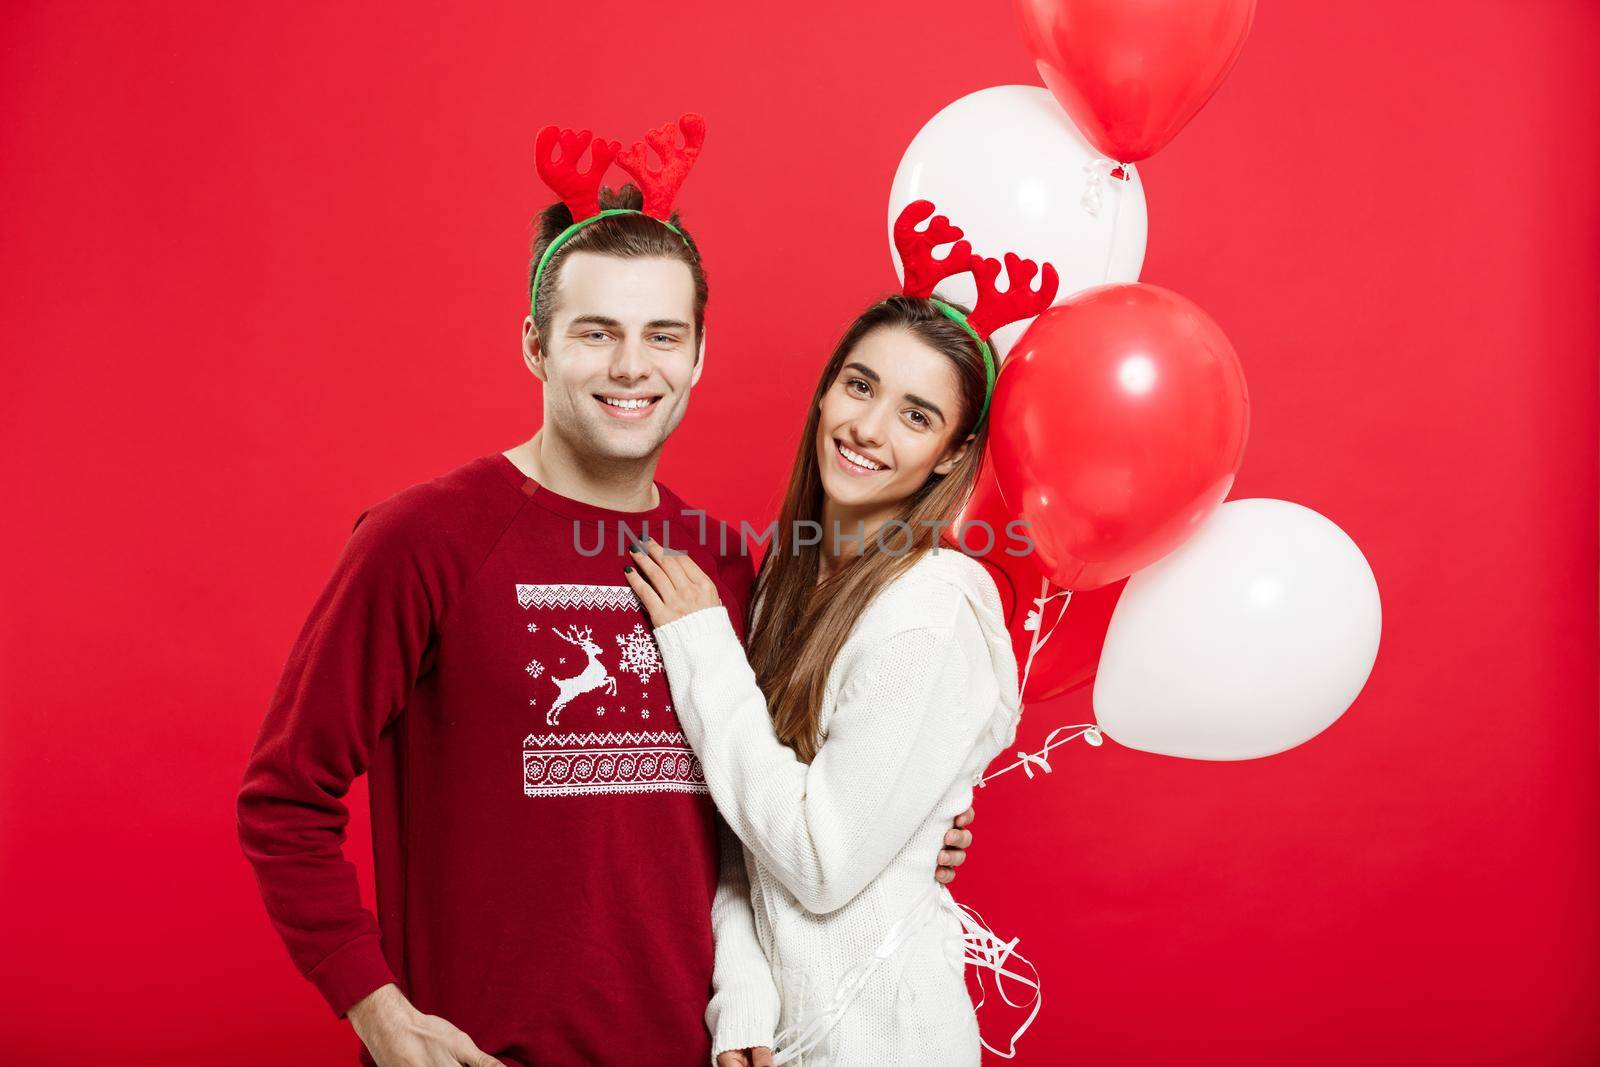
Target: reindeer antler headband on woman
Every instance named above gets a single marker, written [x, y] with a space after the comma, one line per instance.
[580, 190]
[995, 309]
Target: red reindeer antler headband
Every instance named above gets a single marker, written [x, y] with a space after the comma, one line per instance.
[923, 271]
[580, 190]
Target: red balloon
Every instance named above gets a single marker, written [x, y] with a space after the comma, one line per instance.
[1132, 73]
[1120, 419]
[1070, 656]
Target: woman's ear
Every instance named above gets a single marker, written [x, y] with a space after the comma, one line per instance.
[954, 456]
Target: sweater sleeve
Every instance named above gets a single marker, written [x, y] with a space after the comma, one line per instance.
[898, 739]
[743, 1012]
[348, 675]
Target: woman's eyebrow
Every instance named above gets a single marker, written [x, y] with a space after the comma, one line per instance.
[921, 403]
[913, 397]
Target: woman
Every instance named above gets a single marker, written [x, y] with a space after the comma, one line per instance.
[880, 682]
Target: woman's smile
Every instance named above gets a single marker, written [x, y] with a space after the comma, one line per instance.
[855, 463]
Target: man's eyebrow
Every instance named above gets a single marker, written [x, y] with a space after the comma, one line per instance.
[595, 320]
[864, 369]
[667, 324]
[930, 405]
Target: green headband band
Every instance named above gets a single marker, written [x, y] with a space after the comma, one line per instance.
[566, 235]
[955, 316]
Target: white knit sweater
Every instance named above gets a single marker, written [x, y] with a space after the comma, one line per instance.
[921, 697]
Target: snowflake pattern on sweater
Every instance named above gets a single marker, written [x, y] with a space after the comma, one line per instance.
[619, 659]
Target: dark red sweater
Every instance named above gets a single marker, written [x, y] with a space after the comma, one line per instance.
[545, 846]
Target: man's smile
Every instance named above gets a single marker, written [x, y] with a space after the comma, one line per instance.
[627, 406]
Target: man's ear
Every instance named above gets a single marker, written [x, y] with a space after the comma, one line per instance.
[699, 359]
[532, 354]
[952, 457]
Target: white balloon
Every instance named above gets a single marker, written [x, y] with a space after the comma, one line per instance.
[1010, 169]
[1250, 638]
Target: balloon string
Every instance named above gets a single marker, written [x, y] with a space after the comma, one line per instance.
[1099, 171]
[1089, 731]
[1035, 624]
[981, 949]
[808, 1034]
[986, 952]
[1111, 245]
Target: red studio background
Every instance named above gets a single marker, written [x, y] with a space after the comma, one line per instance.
[264, 265]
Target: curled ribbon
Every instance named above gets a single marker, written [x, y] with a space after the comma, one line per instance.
[986, 952]
[1090, 732]
[1097, 171]
[803, 1037]
[981, 949]
[1035, 626]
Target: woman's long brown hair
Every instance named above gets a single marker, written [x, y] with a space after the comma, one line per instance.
[803, 624]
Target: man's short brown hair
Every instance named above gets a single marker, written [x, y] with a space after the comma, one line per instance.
[622, 236]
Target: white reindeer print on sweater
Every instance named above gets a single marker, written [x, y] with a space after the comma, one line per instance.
[593, 676]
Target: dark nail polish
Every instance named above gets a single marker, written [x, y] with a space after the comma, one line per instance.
[627, 570]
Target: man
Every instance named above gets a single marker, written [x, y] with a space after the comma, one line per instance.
[547, 856]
